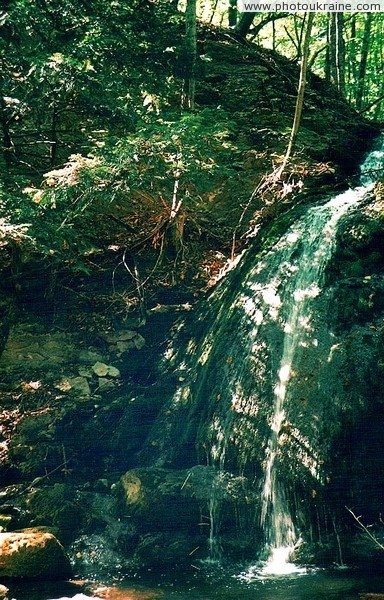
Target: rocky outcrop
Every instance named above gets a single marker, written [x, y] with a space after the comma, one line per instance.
[178, 514]
[3, 591]
[36, 555]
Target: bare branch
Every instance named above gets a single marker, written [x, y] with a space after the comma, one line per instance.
[365, 529]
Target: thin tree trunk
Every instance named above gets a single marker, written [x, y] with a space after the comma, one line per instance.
[327, 66]
[272, 17]
[299, 34]
[363, 61]
[54, 139]
[214, 11]
[332, 36]
[300, 92]
[232, 13]
[340, 53]
[190, 52]
[244, 24]
[351, 58]
[7, 139]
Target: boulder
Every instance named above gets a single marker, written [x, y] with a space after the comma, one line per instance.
[37, 555]
[3, 591]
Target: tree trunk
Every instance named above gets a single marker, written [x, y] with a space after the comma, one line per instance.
[351, 58]
[363, 61]
[301, 90]
[7, 139]
[327, 66]
[340, 52]
[54, 139]
[244, 24]
[189, 58]
[232, 13]
[332, 36]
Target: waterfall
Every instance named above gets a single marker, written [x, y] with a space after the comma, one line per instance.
[303, 252]
[252, 374]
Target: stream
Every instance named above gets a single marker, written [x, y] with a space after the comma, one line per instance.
[338, 584]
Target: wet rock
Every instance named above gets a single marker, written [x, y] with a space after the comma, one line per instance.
[31, 347]
[148, 494]
[85, 372]
[102, 485]
[58, 508]
[167, 548]
[36, 555]
[78, 385]
[120, 336]
[166, 505]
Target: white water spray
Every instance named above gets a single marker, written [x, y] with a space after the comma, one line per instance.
[305, 251]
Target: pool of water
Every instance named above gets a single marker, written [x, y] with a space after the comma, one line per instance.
[315, 585]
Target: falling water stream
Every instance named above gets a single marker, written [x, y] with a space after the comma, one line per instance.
[304, 252]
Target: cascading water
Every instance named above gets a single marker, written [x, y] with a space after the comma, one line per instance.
[304, 253]
[254, 375]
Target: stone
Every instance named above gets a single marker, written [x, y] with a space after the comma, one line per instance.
[102, 485]
[100, 369]
[126, 335]
[125, 346]
[80, 384]
[32, 555]
[63, 385]
[90, 356]
[3, 591]
[139, 341]
[85, 372]
[113, 371]
[105, 384]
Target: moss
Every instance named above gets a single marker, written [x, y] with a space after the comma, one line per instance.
[57, 507]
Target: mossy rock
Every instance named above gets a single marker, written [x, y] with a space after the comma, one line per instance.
[57, 507]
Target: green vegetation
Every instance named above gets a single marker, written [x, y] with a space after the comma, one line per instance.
[113, 137]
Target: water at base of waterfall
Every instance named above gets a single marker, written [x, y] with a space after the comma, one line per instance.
[278, 563]
[221, 585]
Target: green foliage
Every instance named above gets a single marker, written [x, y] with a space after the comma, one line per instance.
[129, 179]
[64, 60]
